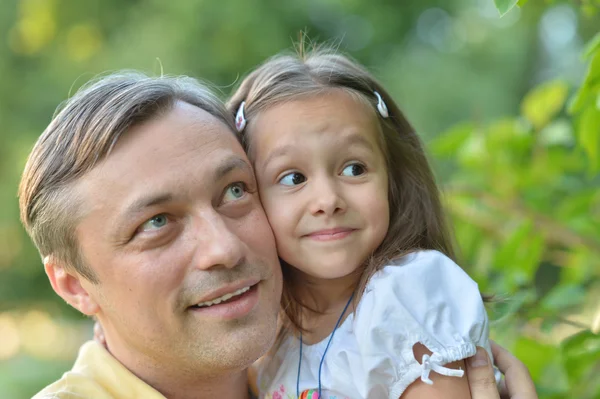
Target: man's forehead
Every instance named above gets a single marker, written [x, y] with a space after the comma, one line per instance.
[171, 125]
[183, 145]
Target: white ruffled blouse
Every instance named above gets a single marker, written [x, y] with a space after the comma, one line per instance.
[423, 297]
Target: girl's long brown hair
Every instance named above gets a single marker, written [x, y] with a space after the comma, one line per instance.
[417, 221]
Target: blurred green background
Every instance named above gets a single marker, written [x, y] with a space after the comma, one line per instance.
[509, 108]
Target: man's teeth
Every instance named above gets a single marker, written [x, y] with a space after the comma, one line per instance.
[223, 298]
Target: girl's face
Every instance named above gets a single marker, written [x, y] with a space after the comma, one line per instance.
[323, 181]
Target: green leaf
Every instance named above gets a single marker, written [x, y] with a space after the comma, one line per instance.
[581, 343]
[542, 103]
[563, 297]
[558, 132]
[536, 355]
[589, 87]
[591, 47]
[548, 325]
[505, 6]
[579, 99]
[589, 10]
[473, 153]
[520, 255]
[581, 354]
[448, 143]
[521, 3]
[589, 136]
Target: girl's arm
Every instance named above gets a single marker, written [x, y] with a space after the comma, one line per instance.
[443, 387]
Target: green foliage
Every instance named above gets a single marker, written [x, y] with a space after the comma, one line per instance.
[544, 102]
[525, 199]
[505, 6]
[588, 137]
[581, 354]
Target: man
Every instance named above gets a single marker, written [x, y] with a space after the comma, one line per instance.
[143, 205]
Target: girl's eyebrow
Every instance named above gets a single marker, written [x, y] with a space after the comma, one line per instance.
[356, 139]
[346, 140]
[278, 152]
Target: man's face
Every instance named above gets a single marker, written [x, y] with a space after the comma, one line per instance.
[172, 220]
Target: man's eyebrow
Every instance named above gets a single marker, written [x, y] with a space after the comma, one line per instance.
[146, 202]
[229, 165]
[153, 199]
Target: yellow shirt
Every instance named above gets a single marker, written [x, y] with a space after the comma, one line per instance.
[96, 374]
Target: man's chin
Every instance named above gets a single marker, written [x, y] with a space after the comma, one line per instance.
[239, 348]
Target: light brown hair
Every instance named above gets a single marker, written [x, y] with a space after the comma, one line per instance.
[82, 133]
[417, 221]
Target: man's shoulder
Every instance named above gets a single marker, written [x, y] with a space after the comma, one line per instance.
[73, 386]
[98, 375]
[62, 395]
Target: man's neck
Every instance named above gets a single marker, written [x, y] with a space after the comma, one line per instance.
[183, 383]
[234, 386]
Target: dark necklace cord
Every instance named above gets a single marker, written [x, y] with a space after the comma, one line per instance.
[337, 324]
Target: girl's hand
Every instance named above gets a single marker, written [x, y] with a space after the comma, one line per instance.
[517, 384]
[99, 334]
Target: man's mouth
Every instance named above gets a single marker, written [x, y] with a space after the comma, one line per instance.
[224, 298]
[230, 304]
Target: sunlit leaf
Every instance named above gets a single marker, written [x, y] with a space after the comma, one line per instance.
[505, 6]
[592, 46]
[563, 297]
[559, 132]
[581, 353]
[535, 355]
[589, 10]
[589, 136]
[580, 99]
[520, 254]
[542, 103]
[473, 153]
[590, 87]
[448, 143]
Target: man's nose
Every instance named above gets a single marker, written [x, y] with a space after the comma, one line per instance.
[218, 244]
[326, 197]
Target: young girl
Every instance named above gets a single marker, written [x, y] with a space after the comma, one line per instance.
[373, 300]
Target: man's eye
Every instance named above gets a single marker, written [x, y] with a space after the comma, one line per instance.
[292, 179]
[234, 192]
[155, 223]
[354, 169]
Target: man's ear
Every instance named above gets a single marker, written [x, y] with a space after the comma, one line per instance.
[68, 285]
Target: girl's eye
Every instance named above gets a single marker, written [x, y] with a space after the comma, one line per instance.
[155, 223]
[292, 179]
[353, 170]
[234, 192]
